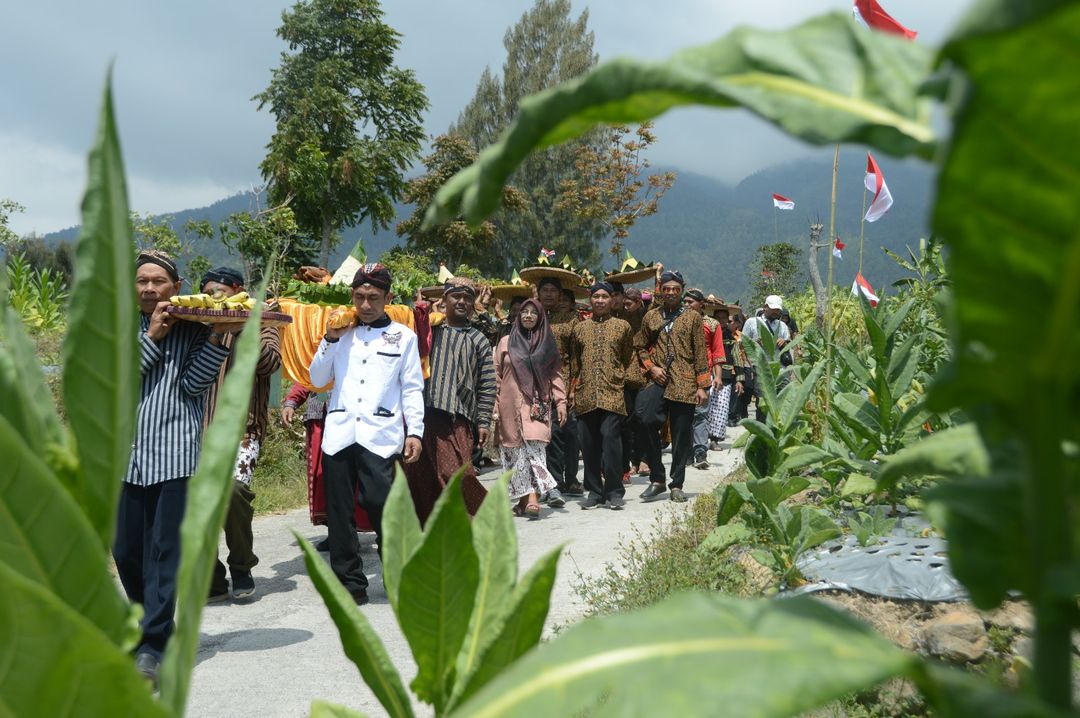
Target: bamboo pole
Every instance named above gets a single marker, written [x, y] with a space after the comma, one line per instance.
[862, 224]
[828, 293]
[776, 224]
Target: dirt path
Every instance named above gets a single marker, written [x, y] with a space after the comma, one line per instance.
[276, 654]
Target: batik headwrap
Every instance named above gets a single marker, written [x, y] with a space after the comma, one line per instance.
[374, 274]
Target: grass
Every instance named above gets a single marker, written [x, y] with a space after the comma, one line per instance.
[663, 559]
[280, 482]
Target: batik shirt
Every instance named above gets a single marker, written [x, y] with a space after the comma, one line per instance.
[684, 342]
[562, 324]
[601, 357]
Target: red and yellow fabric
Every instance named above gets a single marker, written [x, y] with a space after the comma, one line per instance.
[300, 340]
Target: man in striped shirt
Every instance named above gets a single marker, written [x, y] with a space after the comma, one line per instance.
[179, 362]
[459, 394]
[238, 534]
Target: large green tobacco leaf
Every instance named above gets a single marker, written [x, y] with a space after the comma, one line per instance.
[495, 541]
[955, 693]
[208, 494]
[401, 534]
[46, 538]
[362, 645]
[696, 654]
[956, 451]
[519, 629]
[101, 362]
[1009, 205]
[824, 81]
[437, 593]
[54, 662]
[25, 400]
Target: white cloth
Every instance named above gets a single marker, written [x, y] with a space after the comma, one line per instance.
[246, 459]
[378, 382]
[753, 328]
[718, 412]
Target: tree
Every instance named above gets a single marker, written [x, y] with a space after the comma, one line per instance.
[821, 299]
[544, 48]
[7, 208]
[156, 232]
[348, 120]
[775, 269]
[453, 242]
[609, 188]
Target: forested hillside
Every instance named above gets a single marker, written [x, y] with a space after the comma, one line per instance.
[709, 229]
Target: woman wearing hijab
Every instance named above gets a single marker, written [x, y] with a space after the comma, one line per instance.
[528, 371]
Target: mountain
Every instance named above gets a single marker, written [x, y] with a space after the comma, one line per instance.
[708, 229]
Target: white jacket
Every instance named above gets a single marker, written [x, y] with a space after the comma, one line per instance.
[378, 391]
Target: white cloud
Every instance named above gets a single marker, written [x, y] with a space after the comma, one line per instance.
[49, 180]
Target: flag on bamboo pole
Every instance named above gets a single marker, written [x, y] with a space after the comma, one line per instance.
[869, 13]
[861, 286]
[875, 182]
[781, 202]
[837, 248]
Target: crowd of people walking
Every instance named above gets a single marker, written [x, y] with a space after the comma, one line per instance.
[574, 400]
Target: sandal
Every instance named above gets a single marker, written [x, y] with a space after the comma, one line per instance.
[519, 507]
[532, 510]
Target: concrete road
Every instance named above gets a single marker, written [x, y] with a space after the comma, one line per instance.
[275, 654]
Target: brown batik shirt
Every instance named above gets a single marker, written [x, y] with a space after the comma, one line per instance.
[684, 343]
[562, 323]
[601, 359]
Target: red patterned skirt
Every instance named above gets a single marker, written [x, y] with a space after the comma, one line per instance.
[446, 447]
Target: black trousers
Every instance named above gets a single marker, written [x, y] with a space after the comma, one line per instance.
[601, 449]
[147, 554]
[238, 537]
[341, 474]
[682, 442]
[563, 449]
[631, 432]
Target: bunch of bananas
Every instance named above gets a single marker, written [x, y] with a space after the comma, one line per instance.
[237, 302]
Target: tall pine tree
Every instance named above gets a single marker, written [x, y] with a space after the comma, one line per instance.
[348, 120]
[546, 47]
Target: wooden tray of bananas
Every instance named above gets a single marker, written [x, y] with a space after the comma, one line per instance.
[218, 308]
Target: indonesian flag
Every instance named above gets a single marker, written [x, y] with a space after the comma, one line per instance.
[875, 182]
[869, 13]
[549, 253]
[861, 286]
[837, 248]
[781, 202]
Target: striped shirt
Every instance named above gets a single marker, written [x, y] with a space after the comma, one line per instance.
[269, 362]
[462, 380]
[176, 373]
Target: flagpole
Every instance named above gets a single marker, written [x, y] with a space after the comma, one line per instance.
[828, 293]
[862, 224]
[776, 224]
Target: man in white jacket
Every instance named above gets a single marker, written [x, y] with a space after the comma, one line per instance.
[374, 417]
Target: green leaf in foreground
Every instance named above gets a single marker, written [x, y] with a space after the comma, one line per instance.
[495, 541]
[69, 561]
[437, 592]
[520, 628]
[362, 645]
[956, 451]
[208, 496]
[706, 652]
[322, 709]
[24, 397]
[101, 361]
[401, 534]
[54, 662]
[824, 81]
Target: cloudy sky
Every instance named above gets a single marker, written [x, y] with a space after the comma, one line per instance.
[185, 73]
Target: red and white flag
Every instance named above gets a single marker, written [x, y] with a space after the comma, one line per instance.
[869, 13]
[837, 248]
[861, 286]
[875, 182]
[781, 202]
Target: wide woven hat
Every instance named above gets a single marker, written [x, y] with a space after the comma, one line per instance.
[631, 271]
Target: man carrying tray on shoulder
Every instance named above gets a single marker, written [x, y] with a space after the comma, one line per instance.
[375, 415]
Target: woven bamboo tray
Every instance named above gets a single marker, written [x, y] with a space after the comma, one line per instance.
[226, 316]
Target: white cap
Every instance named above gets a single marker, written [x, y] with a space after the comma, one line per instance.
[774, 301]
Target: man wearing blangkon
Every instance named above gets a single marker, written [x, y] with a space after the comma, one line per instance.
[179, 361]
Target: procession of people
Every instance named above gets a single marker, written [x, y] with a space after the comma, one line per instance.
[573, 399]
